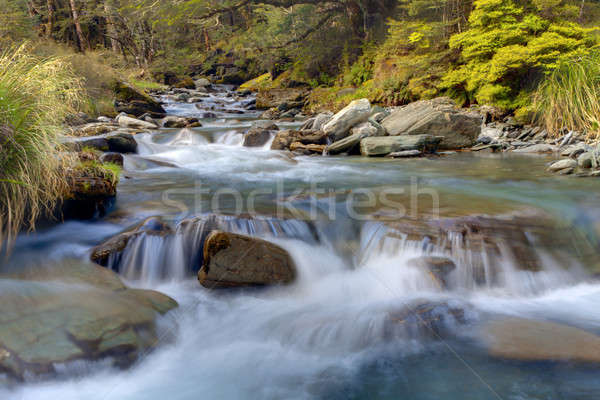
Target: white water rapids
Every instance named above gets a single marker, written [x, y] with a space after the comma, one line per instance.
[332, 334]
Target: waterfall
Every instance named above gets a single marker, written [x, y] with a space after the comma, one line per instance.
[151, 258]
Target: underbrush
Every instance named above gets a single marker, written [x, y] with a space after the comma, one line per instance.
[36, 94]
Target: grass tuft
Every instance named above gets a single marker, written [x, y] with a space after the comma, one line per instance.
[35, 96]
[569, 97]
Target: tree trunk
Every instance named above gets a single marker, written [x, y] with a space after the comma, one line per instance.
[80, 37]
[110, 27]
[50, 22]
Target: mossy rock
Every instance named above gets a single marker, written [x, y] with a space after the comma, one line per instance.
[185, 83]
[125, 93]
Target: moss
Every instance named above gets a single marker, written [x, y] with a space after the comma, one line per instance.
[95, 169]
[262, 82]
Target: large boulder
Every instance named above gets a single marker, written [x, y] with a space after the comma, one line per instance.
[257, 137]
[439, 117]
[232, 260]
[285, 138]
[121, 143]
[353, 114]
[113, 247]
[73, 311]
[291, 98]
[529, 340]
[384, 145]
[369, 128]
[135, 102]
[128, 122]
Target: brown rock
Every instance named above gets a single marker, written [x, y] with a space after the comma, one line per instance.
[285, 138]
[232, 260]
[307, 148]
[527, 340]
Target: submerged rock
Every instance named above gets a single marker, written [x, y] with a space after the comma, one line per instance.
[73, 311]
[232, 260]
[438, 268]
[114, 246]
[353, 114]
[439, 117]
[528, 340]
[384, 145]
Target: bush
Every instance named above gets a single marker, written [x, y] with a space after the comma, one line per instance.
[506, 51]
[35, 96]
[569, 97]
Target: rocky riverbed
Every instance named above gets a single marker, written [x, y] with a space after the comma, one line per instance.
[306, 288]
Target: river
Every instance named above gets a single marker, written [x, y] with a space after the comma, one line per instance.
[328, 336]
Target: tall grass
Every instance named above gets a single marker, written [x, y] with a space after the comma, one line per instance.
[35, 96]
[569, 98]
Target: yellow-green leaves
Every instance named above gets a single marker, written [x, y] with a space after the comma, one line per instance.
[506, 51]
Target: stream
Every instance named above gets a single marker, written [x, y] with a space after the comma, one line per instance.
[328, 335]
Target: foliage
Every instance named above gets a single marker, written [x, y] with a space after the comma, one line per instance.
[507, 50]
[35, 96]
[569, 98]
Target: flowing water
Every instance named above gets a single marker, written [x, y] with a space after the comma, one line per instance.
[334, 333]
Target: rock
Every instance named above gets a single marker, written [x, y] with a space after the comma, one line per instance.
[257, 137]
[384, 145]
[113, 158]
[575, 150]
[518, 236]
[438, 117]
[89, 314]
[94, 129]
[285, 138]
[232, 260]
[135, 102]
[128, 122]
[186, 82]
[490, 132]
[307, 148]
[172, 121]
[528, 340]
[79, 143]
[353, 114]
[114, 246]
[562, 164]
[405, 154]
[346, 145]
[121, 143]
[202, 83]
[587, 160]
[78, 119]
[566, 171]
[266, 125]
[270, 98]
[369, 128]
[438, 268]
[321, 120]
[537, 148]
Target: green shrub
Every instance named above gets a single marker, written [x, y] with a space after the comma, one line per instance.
[35, 96]
[569, 97]
[506, 51]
